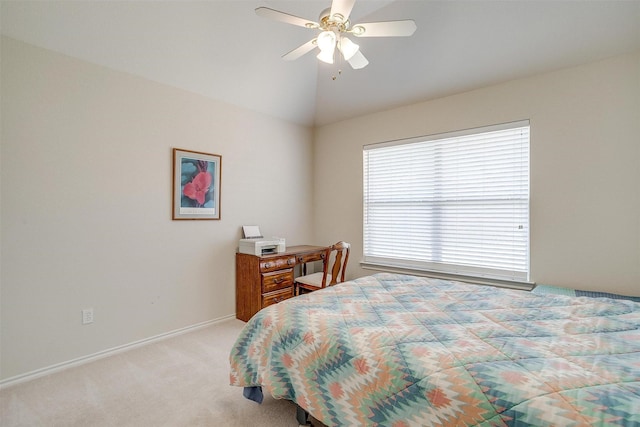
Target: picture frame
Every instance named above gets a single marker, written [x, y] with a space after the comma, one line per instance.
[196, 185]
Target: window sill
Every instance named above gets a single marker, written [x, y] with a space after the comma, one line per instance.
[502, 283]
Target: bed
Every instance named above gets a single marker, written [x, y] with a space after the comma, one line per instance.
[398, 350]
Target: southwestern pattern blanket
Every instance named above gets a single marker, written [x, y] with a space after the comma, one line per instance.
[396, 350]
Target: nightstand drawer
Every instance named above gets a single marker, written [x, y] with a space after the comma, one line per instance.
[277, 263]
[276, 297]
[278, 280]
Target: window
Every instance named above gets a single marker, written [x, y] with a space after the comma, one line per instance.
[455, 203]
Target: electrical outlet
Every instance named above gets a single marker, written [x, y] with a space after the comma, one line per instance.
[87, 316]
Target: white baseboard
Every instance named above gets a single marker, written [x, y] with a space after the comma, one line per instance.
[18, 379]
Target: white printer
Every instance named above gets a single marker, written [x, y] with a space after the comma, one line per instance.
[255, 244]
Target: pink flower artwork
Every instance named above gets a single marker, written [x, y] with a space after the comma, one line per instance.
[198, 187]
[196, 179]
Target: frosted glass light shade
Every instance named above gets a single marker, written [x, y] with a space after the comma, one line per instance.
[326, 56]
[327, 40]
[348, 48]
[327, 44]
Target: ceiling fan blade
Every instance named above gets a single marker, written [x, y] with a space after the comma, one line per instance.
[285, 17]
[300, 50]
[342, 8]
[358, 61]
[403, 28]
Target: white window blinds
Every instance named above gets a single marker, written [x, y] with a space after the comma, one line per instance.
[455, 203]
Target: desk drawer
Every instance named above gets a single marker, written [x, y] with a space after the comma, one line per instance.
[276, 297]
[278, 280]
[314, 256]
[274, 264]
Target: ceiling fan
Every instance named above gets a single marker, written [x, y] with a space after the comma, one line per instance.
[334, 27]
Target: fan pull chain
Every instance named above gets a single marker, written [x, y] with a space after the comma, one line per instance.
[334, 77]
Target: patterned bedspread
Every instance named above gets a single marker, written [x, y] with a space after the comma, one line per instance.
[394, 350]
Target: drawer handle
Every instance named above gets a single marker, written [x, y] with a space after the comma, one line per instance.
[267, 265]
[278, 299]
[278, 280]
[290, 261]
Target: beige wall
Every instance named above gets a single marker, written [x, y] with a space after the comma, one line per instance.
[86, 206]
[86, 176]
[585, 173]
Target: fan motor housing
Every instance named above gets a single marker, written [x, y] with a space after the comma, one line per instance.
[334, 22]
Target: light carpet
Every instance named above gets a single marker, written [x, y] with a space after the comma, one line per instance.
[180, 381]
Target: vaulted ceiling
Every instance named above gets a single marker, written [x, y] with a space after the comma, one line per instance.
[222, 50]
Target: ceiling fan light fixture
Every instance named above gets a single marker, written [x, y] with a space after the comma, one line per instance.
[327, 41]
[326, 56]
[348, 48]
[327, 44]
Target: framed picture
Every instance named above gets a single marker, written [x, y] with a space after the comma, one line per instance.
[196, 185]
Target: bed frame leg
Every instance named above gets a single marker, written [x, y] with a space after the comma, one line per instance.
[302, 416]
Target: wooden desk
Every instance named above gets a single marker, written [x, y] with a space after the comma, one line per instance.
[268, 279]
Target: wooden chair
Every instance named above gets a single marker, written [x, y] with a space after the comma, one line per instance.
[312, 282]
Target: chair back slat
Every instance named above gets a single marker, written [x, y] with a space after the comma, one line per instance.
[340, 255]
[339, 268]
